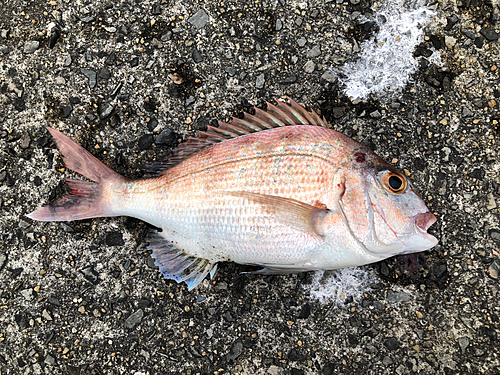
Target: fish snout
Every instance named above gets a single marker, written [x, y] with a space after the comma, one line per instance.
[424, 220]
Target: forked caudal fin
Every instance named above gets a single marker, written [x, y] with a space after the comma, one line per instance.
[86, 199]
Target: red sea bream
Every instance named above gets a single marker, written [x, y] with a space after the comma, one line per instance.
[277, 189]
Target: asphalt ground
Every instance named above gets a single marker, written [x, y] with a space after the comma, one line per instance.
[130, 80]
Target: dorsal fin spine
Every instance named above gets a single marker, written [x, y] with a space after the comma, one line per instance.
[235, 128]
[277, 115]
[275, 111]
[266, 116]
[250, 125]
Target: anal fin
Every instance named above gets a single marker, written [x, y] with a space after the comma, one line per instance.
[280, 269]
[176, 265]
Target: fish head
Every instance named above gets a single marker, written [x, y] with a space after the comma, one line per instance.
[384, 211]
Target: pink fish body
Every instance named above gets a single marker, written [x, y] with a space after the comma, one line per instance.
[288, 198]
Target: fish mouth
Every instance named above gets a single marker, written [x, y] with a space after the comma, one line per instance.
[423, 221]
[421, 240]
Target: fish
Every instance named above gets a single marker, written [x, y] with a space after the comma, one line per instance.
[278, 189]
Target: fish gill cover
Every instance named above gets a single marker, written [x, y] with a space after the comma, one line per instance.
[386, 61]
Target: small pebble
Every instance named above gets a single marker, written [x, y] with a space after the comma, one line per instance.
[279, 25]
[166, 136]
[145, 142]
[290, 80]
[31, 46]
[309, 67]
[260, 81]
[450, 42]
[329, 76]
[314, 52]
[490, 34]
[134, 319]
[91, 75]
[197, 58]
[494, 269]
[199, 19]
[104, 110]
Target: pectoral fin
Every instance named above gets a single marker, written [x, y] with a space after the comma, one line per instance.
[291, 212]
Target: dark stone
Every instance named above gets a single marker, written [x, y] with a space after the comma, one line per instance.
[391, 343]
[490, 34]
[111, 59]
[53, 301]
[423, 64]
[296, 371]
[290, 80]
[439, 270]
[104, 73]
[145, 142]
[134, 62]
[491, 334]
[433, 80]
[55, 33]
[338, 112]
[104, 110]
[74, 100]
[156, 10]
[305, 312]
[9, 181]
[437, 43]
[328, 369]
[372, 332]
[353, 340]
[165, 137]
[446, 83]
[88, 56]
[143, 303]
[197, 58]
[494, 234]
[235, 352]
[134, 319]
[114, 239]
[66, 110]
[469, 34]
[37, 181]
[90, 274]
[152, 124]
[91, 75]
[478, 174]
[228, 317]
[422, 51]
[451, 21]
[479, 41]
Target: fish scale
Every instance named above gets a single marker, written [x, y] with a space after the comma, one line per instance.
[274, 189]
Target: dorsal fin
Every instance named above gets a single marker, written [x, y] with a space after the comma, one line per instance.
[277, 115]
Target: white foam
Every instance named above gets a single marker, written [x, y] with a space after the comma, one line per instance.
[336, 286]
[386, 61]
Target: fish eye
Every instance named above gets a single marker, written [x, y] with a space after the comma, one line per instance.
[393, 182]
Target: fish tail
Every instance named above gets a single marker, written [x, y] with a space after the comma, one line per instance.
[86, 199]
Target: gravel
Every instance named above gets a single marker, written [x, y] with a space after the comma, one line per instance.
[129, 81]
